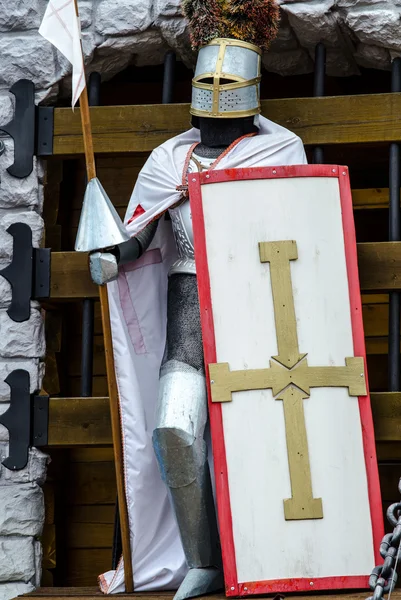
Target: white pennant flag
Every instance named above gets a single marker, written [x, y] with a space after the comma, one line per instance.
[61, 27]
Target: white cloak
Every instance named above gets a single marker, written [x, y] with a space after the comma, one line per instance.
[138, 302]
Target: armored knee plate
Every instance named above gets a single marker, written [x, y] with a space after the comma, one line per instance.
[181, 419]
[181, 453]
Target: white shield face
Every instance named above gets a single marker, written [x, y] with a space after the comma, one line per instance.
[296, 475]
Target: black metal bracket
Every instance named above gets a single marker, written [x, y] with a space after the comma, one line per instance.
[22, 128]
[31, 129]
[28, 273]
[45, 128]
[26, 420]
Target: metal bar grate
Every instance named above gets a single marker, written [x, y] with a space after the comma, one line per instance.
[394, 236]
[318, 91]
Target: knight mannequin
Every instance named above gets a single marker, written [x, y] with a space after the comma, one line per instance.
[182, 406]
[225, 111]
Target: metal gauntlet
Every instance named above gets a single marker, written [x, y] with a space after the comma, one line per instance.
[104, 265]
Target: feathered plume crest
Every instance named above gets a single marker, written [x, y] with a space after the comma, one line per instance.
[253, 21]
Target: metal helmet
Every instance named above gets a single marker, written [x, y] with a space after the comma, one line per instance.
[227, 80]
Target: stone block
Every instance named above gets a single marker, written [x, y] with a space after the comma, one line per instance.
[288, 63]
[115, 54]
[85, 13]
[285, 40]
[34, 472]
[41, 198]
[63, 67]
[312, 22]
[31, 218]
[362, 4]
[167, 8]
[123, 17]
[373, 57]
[6, 109]
[176, 34]
[17, 193]
[3, 433]
[12, 590]
[17, 559]
[38, 562]
[376, 25]
[22, 510]
[5, 287]
[22, 340]
[50, 94]
[19, 15]
[9, 365]
[16, 63]
[41, 166]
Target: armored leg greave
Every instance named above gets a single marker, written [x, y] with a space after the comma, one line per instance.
[182, 456]
[179, 435]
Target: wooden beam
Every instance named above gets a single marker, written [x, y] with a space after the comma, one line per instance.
[370, 198]
[92, 593]
[386, 409]
[70, 276]
[86, 421]
[79, 422]
[379, 270]
[369, 118]
[379, 266]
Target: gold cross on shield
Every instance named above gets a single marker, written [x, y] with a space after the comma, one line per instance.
[290, 379]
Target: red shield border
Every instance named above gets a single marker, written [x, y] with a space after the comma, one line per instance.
[233, 587]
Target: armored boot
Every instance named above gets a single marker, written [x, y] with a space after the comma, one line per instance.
[182, 456]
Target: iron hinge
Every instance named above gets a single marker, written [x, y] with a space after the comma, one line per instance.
[26, 419]
[22, 128]
[28, 273]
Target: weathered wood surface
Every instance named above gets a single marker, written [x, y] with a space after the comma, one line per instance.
[379, 270]
[386, 408]
[331, 120]
[90, 493]
[92, 483]
[87, 593]
[90, 535]
[84, 564]
[372, 198]
[79, 421]
[70, 276]
[86, 421]
[380, 266]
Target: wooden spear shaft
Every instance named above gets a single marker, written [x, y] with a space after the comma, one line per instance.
[111, 375]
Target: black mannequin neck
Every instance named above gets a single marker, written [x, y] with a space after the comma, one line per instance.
[223, 132]
[217, 134]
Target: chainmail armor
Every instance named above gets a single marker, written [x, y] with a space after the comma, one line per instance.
[208, 152]
[184, 335]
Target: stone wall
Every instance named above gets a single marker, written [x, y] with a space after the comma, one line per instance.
[117, 33]
[21, 347]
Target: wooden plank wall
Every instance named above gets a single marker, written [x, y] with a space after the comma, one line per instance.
[85, 493]
[82, 530]
[90, 515]
[80, 498]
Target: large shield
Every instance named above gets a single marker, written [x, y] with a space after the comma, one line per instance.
[293, 443]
